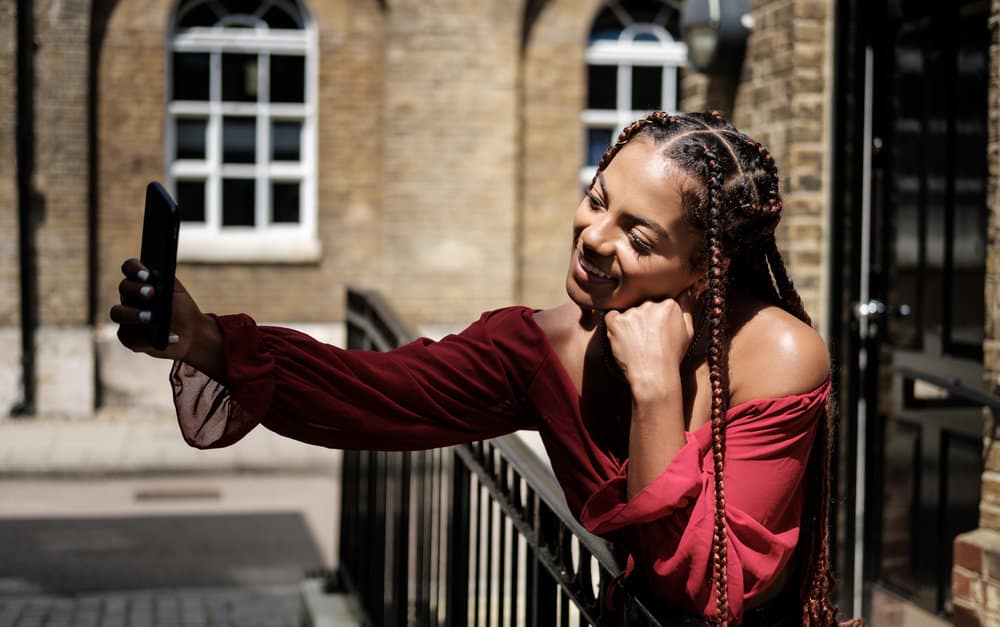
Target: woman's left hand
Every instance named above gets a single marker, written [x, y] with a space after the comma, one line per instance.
[649, 342]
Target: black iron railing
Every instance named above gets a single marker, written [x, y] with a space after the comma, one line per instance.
[476, 534]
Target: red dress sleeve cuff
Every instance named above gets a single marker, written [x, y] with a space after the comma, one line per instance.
[212, 414]
[610, 509]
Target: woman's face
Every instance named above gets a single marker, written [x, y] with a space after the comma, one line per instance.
[631, 242]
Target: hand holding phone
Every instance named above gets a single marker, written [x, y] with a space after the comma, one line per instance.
[160, 229]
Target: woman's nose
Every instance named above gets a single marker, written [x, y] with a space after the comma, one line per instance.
[597, 237]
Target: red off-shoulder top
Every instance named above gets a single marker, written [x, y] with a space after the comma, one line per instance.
[498, 376]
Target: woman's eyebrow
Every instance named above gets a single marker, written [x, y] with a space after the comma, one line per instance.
[654, 226]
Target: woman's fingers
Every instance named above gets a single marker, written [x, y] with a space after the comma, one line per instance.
[688, 302]
[135, 293]
[133, 269]
[126, 315]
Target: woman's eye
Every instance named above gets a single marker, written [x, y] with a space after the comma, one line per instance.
[639, 243]
[595, 202]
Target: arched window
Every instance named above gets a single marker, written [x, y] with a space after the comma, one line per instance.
[634, 58]
[241, 130]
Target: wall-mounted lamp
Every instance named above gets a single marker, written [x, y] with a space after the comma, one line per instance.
[716, 32]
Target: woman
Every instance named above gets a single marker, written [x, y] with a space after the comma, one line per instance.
[681, 392]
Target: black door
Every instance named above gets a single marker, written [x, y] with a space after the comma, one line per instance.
[914, 114]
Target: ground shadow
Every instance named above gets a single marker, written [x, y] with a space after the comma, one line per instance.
[66, 556]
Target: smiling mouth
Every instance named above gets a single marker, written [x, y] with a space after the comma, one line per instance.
[592, 270]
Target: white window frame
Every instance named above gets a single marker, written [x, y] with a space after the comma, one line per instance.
[625, 53]
[264, 242]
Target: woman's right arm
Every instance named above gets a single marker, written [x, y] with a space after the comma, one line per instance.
[232, 374]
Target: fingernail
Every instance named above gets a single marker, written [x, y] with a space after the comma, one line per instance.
[145, 315]
[146, 290]
[173, 338]
[143, 275]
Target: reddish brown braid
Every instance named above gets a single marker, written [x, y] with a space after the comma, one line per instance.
[817, 577]
[738, 214]
[717, 323]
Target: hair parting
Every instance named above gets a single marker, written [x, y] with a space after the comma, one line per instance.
[737, 207]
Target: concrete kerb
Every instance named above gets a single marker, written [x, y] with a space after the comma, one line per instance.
[325, 609]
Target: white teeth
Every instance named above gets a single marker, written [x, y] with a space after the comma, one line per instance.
[589, 267]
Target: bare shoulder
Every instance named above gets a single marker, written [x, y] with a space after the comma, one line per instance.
[560, 324]
[774, 354]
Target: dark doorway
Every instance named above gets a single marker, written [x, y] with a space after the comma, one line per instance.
[912, 111]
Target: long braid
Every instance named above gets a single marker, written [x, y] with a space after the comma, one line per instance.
[818, 609]
[786, 290]
[816, 591]
[716, 364]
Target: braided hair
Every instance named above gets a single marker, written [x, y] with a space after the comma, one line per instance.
[737, 207]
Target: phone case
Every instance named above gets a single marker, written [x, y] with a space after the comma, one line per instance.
[160, 231]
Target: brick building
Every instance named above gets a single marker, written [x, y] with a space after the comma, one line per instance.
[435, 151]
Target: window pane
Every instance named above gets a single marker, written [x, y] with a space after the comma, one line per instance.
[602, 86]
[191, 138]
[288, 79]
[241, 7]
[239, 140]
[238, 202]
[201, 15]
[239, 77]
[647, 87]
[191, 200]
[606, 26]
[970, 209]
[277, 17]
[285, 140]
[284, 202]
[644, 11]
[598, 140]
[191, 75]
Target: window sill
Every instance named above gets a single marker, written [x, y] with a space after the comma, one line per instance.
[258, 248]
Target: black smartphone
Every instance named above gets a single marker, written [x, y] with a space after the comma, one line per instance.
[160, 228]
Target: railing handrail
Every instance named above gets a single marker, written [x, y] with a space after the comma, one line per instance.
[363, 300]
[539, 476]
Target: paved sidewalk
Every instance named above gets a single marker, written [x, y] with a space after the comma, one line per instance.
[128, 453]
[141, 442]
[267, 606]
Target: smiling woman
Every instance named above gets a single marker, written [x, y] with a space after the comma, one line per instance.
[632, 240]
[681, 392]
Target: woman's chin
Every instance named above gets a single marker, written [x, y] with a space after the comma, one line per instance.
[586, 299]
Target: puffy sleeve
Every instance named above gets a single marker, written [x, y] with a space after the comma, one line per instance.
[426, 394]
[668, 526]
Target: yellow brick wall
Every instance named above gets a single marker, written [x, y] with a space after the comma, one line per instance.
[783, 101]
[10, 302]
[61, 35]
[555, 92]
[448, 160]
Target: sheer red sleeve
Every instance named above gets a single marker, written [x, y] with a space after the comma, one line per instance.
[426, 394]
[668, 526]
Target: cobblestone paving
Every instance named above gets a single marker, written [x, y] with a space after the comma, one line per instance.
[265, 606]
